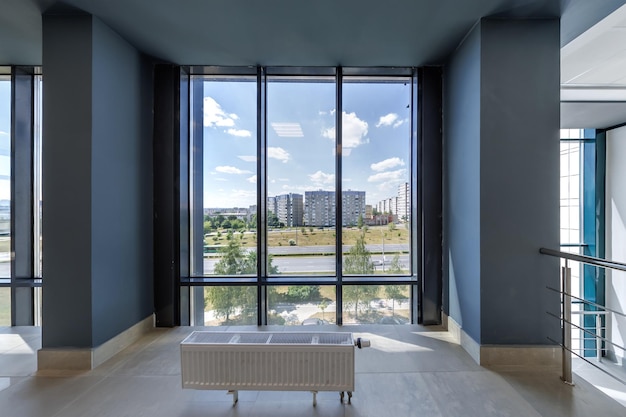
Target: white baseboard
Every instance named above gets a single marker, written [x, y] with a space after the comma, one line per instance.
[84, 359]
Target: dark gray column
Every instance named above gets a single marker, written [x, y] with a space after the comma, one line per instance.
[97, 183]
[430, 166]
[501, 187]
[167, 198]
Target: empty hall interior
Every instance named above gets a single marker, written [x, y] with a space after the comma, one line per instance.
[442, 181]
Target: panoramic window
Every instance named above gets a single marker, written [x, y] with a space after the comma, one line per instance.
[306, 180]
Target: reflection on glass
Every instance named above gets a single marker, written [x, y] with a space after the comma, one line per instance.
[382, 304]
[301, 175]
[5, 177]
[5, 306]
[376, 196]
[230, 305]
[301, 305]
[229, 177]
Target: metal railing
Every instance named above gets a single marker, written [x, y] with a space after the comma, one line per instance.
[566, 314]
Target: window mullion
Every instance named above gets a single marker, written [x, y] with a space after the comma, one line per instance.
[262, 196]
[338, 199]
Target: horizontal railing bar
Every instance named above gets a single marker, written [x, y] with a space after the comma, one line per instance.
[588, 302]
[589, 362]
[590, 312]
[589, 260]
[597, 336]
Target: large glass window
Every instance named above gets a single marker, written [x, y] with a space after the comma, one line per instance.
[301, 176]
[229, 176]
[306, 179]
[376, 144]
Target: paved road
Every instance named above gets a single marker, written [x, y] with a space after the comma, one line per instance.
[311, 264]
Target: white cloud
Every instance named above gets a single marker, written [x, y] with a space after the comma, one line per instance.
[247, 158]
[387, 164]
[387, 176]
[242, 133]
[3, 133]
[354, 131]
[251, 179]
[231, 170]
[400, 123]
[321, 178]
[278, 153]
[387, 120]
[215, 116]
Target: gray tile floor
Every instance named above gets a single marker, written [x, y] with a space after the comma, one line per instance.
[408, 371]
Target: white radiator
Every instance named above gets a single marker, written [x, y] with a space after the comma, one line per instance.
[233, 361]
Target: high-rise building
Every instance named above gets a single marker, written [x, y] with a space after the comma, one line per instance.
[319, 208]
[353, 207]
[290, 209]
[404, 202]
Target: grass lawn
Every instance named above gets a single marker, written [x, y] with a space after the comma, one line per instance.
[306, 236]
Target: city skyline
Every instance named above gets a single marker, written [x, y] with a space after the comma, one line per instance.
[301, 139]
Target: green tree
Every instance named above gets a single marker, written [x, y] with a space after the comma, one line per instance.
[356, 296]
[392, 226]
[359, 222]
[224, 300]
[229, 299]
[358, 261]
[219, 219]
[207, 226]
[272, 219]
[395, 292]
[303, 292]
[396, 266]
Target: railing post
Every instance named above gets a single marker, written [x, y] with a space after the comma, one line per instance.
[566, 286]
[599, 336]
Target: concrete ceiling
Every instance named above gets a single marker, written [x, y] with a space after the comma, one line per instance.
[338, 32]
[274, 32]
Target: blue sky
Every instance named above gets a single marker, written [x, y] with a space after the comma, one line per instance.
[301, 139]
[5, 138]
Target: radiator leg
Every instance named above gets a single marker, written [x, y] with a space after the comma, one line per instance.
[314, 398]
[235, 395]
[341, 395]
[349, 397]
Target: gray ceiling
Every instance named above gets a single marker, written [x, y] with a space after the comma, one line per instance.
[291, 32]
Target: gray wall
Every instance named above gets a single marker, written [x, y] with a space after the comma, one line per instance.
[502, 185]
[97, 188]
[461, 247]
[121, 193]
